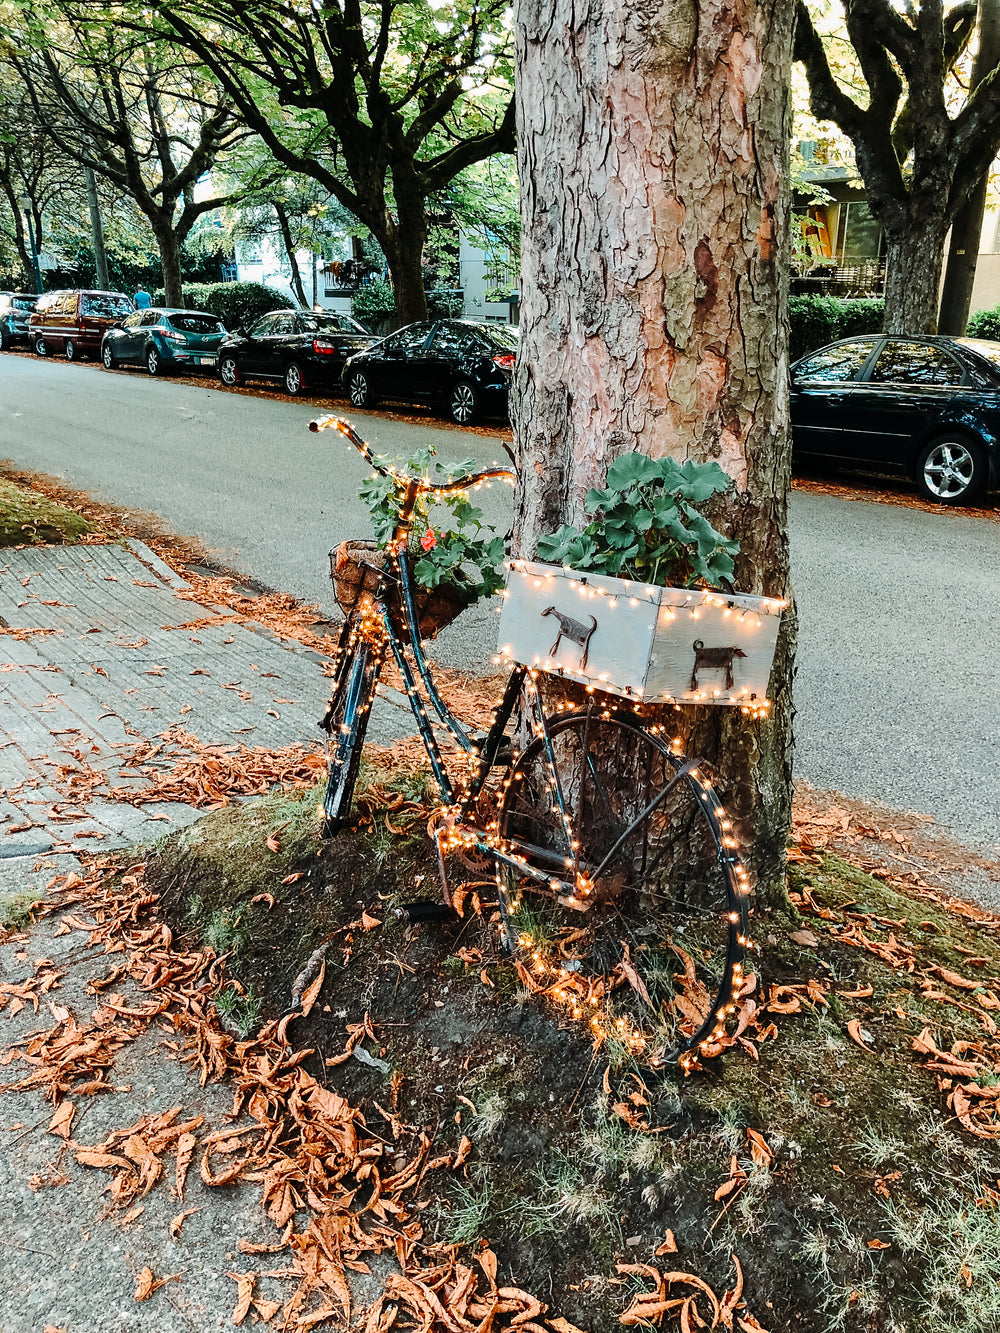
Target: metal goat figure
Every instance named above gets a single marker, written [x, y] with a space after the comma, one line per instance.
[714, 659]
[574, 630]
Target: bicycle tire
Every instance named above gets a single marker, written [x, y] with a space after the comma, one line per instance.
[345, 723]
[666, 919]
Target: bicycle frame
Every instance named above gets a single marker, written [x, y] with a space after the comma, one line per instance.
[361, 653]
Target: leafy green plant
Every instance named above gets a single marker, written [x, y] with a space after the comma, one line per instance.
[645, 526]
[373, 299]
[450, 547]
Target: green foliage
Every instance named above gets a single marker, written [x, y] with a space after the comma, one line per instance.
[444, 303]
[237, 304]
[985, 324]
[817, 320]
[372, 300]
[645, 526]
[450, 546]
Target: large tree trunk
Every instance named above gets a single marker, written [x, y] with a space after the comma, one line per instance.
[913, 262]
[403, 248]
[652, 149]
[168, 244]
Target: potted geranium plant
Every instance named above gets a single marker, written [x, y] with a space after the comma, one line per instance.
[455, 557]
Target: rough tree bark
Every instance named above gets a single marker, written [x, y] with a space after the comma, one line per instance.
[652, 151]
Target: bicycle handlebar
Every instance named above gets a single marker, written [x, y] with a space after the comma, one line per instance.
[459, 484]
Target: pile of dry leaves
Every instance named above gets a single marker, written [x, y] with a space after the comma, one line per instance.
[340, 1194]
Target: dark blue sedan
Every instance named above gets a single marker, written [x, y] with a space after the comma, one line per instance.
[925, 406]
[163, 340]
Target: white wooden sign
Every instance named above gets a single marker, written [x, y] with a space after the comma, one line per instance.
[679, 645]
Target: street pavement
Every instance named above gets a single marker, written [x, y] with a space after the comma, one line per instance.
[897, 688]
[101, 654]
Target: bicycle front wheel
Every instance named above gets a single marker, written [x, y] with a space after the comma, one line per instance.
[345, 724]
[629, 905]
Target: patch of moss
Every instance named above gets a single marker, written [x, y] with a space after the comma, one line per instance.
[15, 910]
[30, 519]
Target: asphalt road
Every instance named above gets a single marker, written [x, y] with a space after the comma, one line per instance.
[898, 688]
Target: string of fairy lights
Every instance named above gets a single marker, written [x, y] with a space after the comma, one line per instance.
[380, 621]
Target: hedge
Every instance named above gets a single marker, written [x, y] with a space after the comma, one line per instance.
[985, 324]
[816, 320]
[235, 303]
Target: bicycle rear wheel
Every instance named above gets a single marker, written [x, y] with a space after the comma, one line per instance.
[345, 724]
[640, 930]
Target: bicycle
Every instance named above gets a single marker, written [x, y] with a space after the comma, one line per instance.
[620, 890]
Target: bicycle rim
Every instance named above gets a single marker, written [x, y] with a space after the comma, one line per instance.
[636, 835]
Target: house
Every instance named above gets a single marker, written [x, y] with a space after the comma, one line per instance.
[839, 248]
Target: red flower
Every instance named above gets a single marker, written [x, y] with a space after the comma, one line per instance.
[428, 541]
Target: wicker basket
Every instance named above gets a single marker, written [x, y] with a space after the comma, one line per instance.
[354, 570]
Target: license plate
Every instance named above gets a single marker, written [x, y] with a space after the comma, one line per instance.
[206, 360]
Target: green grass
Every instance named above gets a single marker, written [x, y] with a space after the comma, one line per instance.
[30, 519]
[15, 910]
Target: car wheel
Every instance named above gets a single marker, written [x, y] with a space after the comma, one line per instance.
[463, 403]
[41, 347]
[72, 352]
[294, 381]
[108, 357]
[4, 340]
[229, 371]
[153, 363]
[359, 389]
[952, 469]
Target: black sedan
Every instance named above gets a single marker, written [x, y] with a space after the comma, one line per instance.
[458, 364]
[163, 340]
[304, 349]
[15, 311]
[928, 407]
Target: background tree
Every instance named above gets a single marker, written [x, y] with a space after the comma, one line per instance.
[967, 227]
[653, 160]
[142, 114]
[382, 104]
[921, 142]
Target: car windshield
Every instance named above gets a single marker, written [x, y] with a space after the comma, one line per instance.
[23, 302]
[312, 323]
[195, 323]
[106, 305]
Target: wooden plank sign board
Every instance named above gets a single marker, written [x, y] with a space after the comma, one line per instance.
[678, 645]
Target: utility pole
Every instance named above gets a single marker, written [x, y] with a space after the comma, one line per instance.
[97, 230]
[963, 249]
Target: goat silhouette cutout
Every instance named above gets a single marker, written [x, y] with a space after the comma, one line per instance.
[714, 659]
[573, 630]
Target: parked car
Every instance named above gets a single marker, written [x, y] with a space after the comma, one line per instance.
[460, 365]
[928, 407]
[75, 321]
[303, 348]
[15, 311]
[163, 340]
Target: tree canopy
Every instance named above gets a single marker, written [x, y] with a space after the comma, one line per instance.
[383, 104]
[142, 114]
[922, 141]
